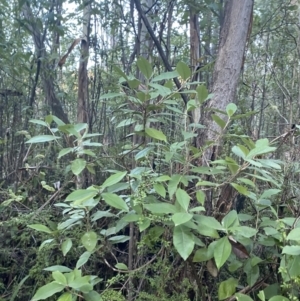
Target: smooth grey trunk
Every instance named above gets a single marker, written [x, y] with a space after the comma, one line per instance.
[233, 38]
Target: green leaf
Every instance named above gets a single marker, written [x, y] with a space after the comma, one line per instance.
[115, 201]
[47, 291]
[200, 196]
[145, 67]
[126, 122]
[246, 231]
[160, 189]
[183, 70]
[89, 240]
[81, 195]
[261, 295]
[269, 192]
[294, 234]
[99, 214]
[66, 246]
[64, 151]
[202, 255]
[242, 297]
[42, 138]
[181, 218]
[202, 93]
[222, 251]
[65, 297]
[239, 152]
[230, 220]
[110, 95]
[121, 266]
[227, 288]
[83, 259]
[78, 166]
[165, 76]
[163, 208]
[41, 228]
[163, 91]
[183, 241]
[183, 198]
[40, 122]
[279, 298]
[231, 109]
[241, 189]
[291, 250]
[59, 277]
[60, 268]
[220, 122]
[153, 133]
[92, 296]
[113, 179]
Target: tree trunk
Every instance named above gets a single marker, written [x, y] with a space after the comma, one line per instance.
[46, 69]
[234, 33]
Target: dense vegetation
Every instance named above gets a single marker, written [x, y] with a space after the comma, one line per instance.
[128, 170]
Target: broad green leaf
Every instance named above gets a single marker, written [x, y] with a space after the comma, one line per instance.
[121, 266]
[78, 166]
[222, 251]
[202, 255]
[261, 296]
[59, 277]
[230, 220]
[227, 288]
[99, 214]
[66, 246]
[42, 138]
[81, 195]
[181, 218]
[291, 250]
[143, 153]
[89, 240]
[206, 183]
[183, 198]
[64, 151]
[115, 201]
[200, 196]
[294, 234]
[246, 231]
[231, 109]
[202, 93]
[163, 91]
[241, 189]
[119, 71]
[242, 297]
[83, 259]
[163, 208]
[183, 70]
[220, 122]
[165, 76]
[153, 133]
[113, 179]
[261, 147]
[119, 239]
[47, 291]
[131, 217]
[269, 192]
[92, 296]
[183, 241]
[172, 185]
[40, 122]
[160, 189]
[145, 67]
[67, 296]
[59, 268]
[41, 228]
[279, 298]
[111, 95]
[239, 152]
[145, 224]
